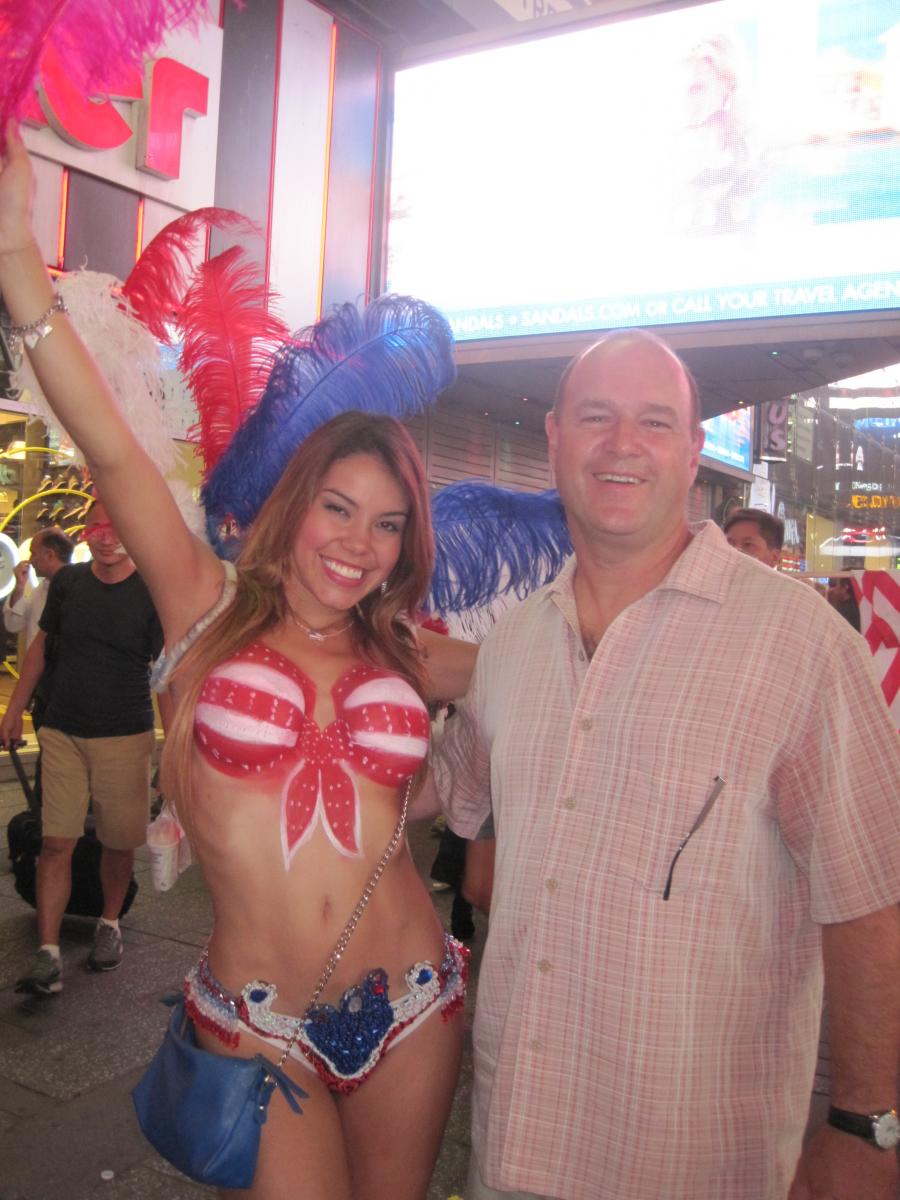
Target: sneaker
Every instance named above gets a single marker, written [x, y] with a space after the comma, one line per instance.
[45, 976]
[106, 953]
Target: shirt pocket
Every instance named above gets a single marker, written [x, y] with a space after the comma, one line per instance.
[657, 832]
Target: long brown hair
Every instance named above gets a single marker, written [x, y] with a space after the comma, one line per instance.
[381, 629]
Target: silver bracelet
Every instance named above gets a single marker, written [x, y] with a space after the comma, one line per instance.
[36, 331]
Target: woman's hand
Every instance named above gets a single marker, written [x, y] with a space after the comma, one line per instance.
[16, 190]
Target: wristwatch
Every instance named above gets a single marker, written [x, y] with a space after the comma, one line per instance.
[882, 1129]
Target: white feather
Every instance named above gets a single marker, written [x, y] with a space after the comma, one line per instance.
[474, 624]
[129, 358]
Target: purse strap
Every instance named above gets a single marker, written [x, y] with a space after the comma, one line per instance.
[349, 928]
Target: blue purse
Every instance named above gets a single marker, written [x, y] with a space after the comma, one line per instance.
[204, 1112]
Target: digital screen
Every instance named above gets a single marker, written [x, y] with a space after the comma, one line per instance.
[729, 439]
[730, 160]
[883, 428]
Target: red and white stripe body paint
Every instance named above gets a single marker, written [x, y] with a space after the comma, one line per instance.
[255, 716]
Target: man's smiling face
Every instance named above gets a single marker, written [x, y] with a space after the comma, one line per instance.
[624, 443]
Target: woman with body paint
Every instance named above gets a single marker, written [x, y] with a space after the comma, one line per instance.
[300, 688]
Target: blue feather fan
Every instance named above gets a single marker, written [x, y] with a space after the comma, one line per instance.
[393, 358]
[491, 542]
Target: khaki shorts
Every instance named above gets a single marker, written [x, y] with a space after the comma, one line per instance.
[113, 773]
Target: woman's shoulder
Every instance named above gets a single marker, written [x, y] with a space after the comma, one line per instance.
[170, 659]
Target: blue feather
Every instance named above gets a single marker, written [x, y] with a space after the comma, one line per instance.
[491, 542]
[395, 357]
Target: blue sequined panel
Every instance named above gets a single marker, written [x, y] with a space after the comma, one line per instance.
[346, 1036]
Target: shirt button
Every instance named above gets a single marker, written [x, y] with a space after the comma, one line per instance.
[551, 884]
[535, 1044]
[586, 723]
[544, 966]
[581, 656]
[569, 802]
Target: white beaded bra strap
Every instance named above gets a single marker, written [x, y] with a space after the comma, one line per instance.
[35, 331]
[167, 662]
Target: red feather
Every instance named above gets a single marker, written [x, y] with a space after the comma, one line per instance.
[95, 38]
[230, 338]
[159, 279]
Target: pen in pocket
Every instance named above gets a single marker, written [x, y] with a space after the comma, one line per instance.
[717, 785]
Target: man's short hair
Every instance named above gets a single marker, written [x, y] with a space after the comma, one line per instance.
[771, 528]
[644, 335]
[60, 543]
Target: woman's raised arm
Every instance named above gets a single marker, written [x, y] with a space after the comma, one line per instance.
[182, 573]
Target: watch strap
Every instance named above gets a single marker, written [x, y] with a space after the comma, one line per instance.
[861, 1125]
[851, 1122]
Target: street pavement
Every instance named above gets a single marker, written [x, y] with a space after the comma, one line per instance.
[68, 1063]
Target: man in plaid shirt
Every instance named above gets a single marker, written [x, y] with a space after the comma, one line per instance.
[693, 777]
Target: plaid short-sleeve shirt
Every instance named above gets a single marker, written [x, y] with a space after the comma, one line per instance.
[627, 1046]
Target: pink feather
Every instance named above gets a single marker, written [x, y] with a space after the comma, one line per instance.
[159, 279]
[230, 339]
[95, 39]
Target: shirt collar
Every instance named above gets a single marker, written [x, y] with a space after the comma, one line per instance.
[705, 568]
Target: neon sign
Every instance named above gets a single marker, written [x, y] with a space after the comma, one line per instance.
[167, 92]
[875, 501]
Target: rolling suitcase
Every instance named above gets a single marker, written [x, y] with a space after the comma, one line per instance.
[23, 834]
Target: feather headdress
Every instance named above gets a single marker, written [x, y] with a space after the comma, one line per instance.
[128, 356]
[394, 357]
[95, 39]
[492, 543]
[159, 279]
[230, 338]
[124, 351]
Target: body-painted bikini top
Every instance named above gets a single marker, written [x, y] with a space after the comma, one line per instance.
[254, 715]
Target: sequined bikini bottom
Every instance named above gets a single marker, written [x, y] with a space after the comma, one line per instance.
[342, 1042]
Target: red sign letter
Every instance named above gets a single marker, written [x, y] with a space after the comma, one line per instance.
[86, 123]
[173, 91]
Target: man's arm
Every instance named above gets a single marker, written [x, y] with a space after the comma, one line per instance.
[425, 804]
[478, 877]
[32, 669]
[461, 765]
[862, 984]
[15, 614]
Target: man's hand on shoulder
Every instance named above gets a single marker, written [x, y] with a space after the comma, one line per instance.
[839, 1166]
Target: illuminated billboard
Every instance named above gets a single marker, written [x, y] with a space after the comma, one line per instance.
[729, 160]
[729, 439]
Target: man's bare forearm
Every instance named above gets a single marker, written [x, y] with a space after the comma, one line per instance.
[862, 983]
[29, 676]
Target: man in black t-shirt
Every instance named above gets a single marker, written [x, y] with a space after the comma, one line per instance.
[100, 632]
